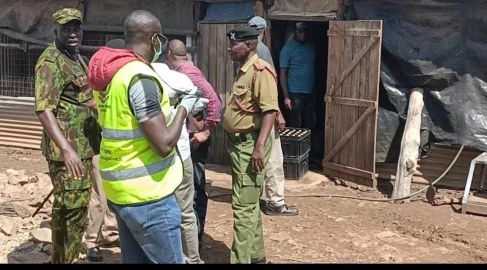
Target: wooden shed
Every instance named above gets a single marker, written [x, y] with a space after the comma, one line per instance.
[350, 56]
[220, 16]
[349, 50]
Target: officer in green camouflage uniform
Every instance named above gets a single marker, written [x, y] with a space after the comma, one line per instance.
[71, 136]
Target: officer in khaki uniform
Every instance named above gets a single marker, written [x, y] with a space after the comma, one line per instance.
[65, 107]
[248, 120]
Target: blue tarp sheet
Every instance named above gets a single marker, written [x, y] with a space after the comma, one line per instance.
[230, 11]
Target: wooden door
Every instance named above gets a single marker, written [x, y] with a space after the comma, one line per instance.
[215, 63]
[351, 100]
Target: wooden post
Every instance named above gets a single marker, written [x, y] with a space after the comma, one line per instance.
[259, 9]
[410, 144]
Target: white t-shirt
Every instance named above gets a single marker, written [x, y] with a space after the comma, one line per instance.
[183, 142]
[170, 81]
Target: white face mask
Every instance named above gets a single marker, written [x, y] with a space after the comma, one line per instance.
[158, 53]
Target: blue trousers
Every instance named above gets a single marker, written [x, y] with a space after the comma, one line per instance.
[199, 157]
[150, 233]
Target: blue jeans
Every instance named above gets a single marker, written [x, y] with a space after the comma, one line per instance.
[150, 233]
[200, 205]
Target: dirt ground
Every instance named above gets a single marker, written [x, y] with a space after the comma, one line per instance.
[327, 230]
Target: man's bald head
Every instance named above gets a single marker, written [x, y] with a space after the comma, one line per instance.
[177, 48]
[140, 26]
[177, 54]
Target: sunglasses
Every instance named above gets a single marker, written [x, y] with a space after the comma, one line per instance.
[162, 39]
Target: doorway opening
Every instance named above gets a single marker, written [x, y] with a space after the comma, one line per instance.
[282, 33]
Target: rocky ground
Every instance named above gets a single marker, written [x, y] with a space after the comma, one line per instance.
[328, 229]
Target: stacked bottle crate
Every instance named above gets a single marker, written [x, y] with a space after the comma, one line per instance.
[296, 145]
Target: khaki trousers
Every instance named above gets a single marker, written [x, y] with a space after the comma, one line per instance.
[189, 227]
[274, 172]
[102, 228]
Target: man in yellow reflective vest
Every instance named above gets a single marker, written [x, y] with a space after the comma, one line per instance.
[139, 164]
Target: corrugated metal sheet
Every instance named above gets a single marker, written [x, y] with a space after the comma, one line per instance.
[19, 125]
[431, 167]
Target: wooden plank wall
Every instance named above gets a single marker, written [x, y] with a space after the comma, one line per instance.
[19, 125]
[431, 167]
[215, 63]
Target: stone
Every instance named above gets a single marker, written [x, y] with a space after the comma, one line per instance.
[297, 228]
[47, 248]
[385, 234]
[279, 237]
[7, 227]
[364, 189]
[443, 250]
[42, 235]
[45, 224]
[21, 210]
[13, 180]
[351, 185]
[24, 179]
[30, 186]
[339, 219]
[27, 247]
[29, 258]
[13, 172]
[36, 202]
[33, 179]
[3, 178]
[44, 179]
[15, 229]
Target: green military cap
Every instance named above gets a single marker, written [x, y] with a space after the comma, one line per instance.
[243, 33]
[66, 15]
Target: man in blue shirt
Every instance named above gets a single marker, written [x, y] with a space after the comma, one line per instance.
[297, 62]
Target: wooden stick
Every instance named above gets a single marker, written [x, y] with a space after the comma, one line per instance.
[411, 139]
[42, 204]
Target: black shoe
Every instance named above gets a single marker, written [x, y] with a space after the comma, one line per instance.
[94, 254]
[263, 204]
[282, 210]
[258, 261]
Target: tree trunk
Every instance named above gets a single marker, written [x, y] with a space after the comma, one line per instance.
[408, 159]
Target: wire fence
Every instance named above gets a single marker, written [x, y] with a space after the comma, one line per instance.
[18, 60]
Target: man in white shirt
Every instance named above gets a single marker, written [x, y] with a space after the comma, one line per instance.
[174, 82]
[274, 171]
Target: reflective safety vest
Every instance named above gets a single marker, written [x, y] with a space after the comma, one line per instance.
[131, 171]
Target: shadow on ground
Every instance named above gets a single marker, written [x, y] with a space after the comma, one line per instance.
[40, 253]
[214, 252]
[219, 168]
[219, 194]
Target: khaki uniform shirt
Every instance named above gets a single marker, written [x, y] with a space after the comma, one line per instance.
[258, 99]
[61, 86]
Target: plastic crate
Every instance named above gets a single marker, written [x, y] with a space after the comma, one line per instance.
[296, 168]
[295, 142]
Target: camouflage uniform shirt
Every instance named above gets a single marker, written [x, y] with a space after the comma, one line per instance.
[61, 86]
